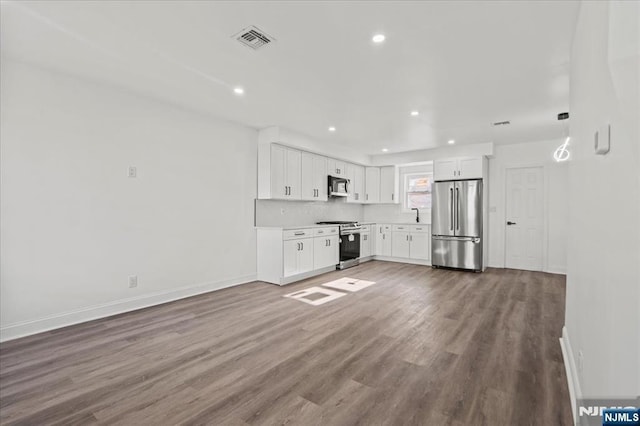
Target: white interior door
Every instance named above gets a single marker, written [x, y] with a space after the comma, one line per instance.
[524, 218]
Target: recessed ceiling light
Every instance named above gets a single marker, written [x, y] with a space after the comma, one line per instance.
[451, 142]
[378, 38]
[332, 129]
[385, 150]
[238, 90]
[414, 113]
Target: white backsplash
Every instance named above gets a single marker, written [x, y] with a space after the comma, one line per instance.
[393, 213]
[302, 213]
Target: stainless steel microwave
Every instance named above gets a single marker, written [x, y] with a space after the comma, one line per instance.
[338, 187]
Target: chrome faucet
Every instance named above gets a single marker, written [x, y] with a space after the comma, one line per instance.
[417, 214]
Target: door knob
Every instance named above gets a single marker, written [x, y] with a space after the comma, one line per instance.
[511, 223]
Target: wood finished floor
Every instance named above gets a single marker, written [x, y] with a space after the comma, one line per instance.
[420, 347]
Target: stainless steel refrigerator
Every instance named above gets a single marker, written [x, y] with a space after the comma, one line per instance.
[456, 224]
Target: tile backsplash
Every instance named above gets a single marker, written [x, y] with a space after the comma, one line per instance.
[301, 213]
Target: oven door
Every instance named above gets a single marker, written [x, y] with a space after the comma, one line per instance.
[349, 245]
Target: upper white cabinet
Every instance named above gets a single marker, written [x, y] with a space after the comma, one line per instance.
[388, 187]
[286, 169]
[314, 177]
[336, 167]
[459, 168]
[355, 174]
[372, 185]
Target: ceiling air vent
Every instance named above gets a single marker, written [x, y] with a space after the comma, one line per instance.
[502, 123]
[253, 37]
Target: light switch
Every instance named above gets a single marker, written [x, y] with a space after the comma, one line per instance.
[602, 140]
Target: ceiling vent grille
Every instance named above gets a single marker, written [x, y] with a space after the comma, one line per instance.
[502, 123]
[253, 37]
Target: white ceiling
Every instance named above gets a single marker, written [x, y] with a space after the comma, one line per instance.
[463, 65]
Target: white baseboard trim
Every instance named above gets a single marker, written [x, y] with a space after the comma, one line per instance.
[572, 372]
[556, 270]
[52, 322]
[403, 260]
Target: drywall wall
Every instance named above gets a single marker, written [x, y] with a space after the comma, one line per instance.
[603, 275]
[302, 213]
[411, 157]
[556, 216]
[75, 227]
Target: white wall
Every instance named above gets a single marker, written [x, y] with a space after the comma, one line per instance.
[603, 280]
[556, 216]
[471, 150]
[74, 227]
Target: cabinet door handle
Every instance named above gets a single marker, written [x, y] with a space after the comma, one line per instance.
[301, 246]
[298, 244]
[392, 197]
[384, 236]
[367, 197]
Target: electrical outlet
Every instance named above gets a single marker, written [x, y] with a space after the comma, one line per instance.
[132, 172]
[133, 281]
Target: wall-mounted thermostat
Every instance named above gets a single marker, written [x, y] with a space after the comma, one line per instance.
[602, 140]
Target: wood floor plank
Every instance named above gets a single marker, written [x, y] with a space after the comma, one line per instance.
[422, 346]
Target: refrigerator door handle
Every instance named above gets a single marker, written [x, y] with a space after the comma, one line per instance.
[457, 209]
[463, 239]
[451, 208]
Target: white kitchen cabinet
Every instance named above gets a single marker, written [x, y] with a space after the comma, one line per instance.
[286, 165]
[336, 167]
[383, 240]
[470, 168]
[298, 256]
[314, 177]
[411, 242]
[365, 244]
[459, 168]
[401, 245]
[420, 245]
[325, 251]
[372, 185]
[388, 186]
[355, 174]
[288, 255]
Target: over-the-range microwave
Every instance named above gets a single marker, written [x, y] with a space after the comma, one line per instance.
[338, 187]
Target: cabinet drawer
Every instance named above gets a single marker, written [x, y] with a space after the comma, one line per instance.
[325, 231]
[419, 228]
[402, 228]
[292, 234]
[382, 228]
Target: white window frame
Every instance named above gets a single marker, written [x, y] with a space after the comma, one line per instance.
[405, 187]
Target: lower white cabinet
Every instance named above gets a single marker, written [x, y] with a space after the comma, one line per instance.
[400, 246]
[298, 256]
[383, 240]
[325, 251]
[365, 244]
[288, 255]
[411, 242]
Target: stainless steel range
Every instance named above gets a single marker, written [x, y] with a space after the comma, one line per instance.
[349, 243]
